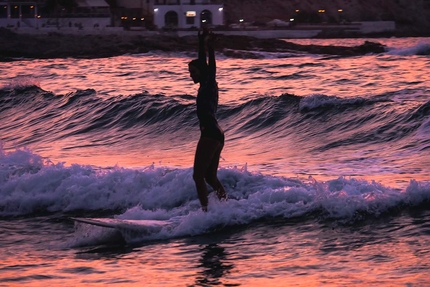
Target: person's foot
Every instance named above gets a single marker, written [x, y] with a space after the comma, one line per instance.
[221, 194]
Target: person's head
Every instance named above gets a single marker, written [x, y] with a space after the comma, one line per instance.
[197, 70]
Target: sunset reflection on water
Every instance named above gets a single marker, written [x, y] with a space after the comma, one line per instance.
[295, 255]
[327, 186]
[237, 78]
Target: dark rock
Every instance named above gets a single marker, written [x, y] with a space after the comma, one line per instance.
[55, 45]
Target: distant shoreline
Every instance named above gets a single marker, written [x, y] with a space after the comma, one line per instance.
[59, 45]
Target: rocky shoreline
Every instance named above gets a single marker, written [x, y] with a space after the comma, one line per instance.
[56, 45]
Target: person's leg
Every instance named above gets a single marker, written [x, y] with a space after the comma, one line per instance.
[211, 174]
[206, 149]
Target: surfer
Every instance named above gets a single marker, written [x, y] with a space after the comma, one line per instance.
[211, 140]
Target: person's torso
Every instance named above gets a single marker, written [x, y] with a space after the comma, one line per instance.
[207, 105]
[207, 102]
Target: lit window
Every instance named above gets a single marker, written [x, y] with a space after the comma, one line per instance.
[191, 14]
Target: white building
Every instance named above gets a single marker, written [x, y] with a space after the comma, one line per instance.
[185, 14]
[177, 14]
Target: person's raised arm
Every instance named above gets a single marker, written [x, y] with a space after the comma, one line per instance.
[211, 54]
[202, 50]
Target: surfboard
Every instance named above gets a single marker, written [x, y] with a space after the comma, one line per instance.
[143, 226]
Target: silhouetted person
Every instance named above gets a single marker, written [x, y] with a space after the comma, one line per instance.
[211, 140]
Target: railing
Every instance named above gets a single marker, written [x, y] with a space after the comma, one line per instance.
[77, 15]
[27, 22]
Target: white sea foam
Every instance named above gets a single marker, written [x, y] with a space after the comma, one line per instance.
[29, 184]
[421, 48]
[340, 199]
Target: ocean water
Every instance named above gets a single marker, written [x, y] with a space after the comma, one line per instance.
[326, 166]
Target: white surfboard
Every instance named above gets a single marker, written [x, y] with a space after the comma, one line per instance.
[142, 226]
